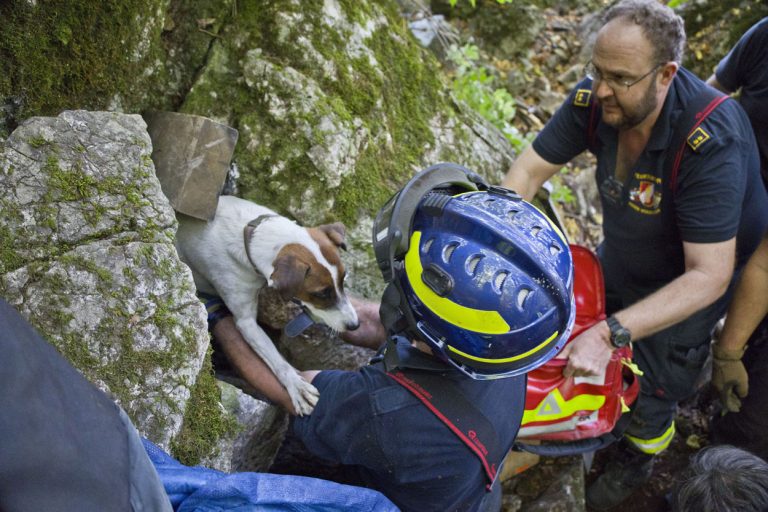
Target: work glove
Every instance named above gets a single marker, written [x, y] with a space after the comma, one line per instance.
[729, 377]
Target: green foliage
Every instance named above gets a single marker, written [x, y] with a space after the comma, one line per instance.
[477, 88]
[561, 192]
[713, 27]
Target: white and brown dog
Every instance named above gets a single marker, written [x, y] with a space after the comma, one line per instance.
[248, 246]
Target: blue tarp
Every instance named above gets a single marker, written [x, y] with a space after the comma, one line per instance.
[199, 489]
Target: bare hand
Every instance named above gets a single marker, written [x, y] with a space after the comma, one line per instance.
[588, 353]
[371, 333]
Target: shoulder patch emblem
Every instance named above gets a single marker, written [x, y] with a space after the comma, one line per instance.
[581, 99]
[697, 138]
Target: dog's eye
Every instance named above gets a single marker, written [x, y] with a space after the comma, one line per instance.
[323, 294]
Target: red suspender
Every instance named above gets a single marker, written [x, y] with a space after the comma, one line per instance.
[700, 117]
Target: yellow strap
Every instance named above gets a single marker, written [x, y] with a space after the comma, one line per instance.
[624, 406]
[632, 366]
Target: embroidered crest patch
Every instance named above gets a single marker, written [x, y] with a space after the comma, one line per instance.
[645, 194]
[581, 99]
[697, 138]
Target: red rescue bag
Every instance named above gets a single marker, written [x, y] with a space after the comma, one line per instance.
[560, 409]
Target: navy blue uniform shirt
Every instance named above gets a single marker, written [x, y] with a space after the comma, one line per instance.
[366, 419]
[746, 67]
[719, 192]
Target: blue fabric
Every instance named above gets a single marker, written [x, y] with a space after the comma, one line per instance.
[378, 430]
[719, 191]
[199, 489]
[746, 67]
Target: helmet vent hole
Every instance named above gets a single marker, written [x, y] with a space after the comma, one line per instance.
[498, 281]
[535, 230]
[489, 202]
[554, 249]
[522, 294]
[448, 251]
[473, 262]
[428, 244]
[511, 214]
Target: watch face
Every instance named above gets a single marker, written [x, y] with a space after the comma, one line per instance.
[620, 335]
[620, 338]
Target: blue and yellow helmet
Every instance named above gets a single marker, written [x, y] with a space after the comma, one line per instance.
[479, 274]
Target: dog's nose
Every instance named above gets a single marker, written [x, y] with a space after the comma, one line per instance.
[351, 326]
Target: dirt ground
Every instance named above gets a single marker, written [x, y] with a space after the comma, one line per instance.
[692, 424]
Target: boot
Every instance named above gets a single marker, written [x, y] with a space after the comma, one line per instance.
[622, 476]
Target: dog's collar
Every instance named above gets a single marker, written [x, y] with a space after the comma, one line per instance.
[248, 233]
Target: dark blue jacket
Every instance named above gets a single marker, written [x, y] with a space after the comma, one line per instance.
[367, 420]
[746, 68]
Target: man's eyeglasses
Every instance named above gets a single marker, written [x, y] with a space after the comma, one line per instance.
[615, 82]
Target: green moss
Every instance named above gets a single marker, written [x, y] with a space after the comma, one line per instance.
[394, 98]
[357, 11]
[132, 366]
[71, 53]
[38, 142]
[74, 184]
[104, 275]
[10, 259]
[204, 422]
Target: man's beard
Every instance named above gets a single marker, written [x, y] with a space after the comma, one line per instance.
[632, 118]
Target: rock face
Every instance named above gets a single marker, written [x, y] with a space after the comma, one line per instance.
[336, 102]
[336, 105]
[88, 258]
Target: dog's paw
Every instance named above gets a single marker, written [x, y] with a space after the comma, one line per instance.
[304, 395]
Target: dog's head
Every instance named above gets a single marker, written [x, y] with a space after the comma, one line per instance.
[314, 274]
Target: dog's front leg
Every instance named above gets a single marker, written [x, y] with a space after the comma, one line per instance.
[303, 394]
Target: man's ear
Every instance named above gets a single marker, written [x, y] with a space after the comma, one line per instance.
[668, 72]
[288, 275]
[336, 232]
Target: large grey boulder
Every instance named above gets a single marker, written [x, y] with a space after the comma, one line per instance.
[87, 256]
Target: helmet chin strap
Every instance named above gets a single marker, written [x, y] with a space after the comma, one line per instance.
[395, 316]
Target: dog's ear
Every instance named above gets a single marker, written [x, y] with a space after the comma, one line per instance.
[288, 275]
[336, 232]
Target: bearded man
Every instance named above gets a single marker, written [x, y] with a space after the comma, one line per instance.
[683, 207]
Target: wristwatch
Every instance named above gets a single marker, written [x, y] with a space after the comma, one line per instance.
[620, 335]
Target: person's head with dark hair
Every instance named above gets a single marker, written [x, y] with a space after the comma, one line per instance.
[659, 23]
[723, 479]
